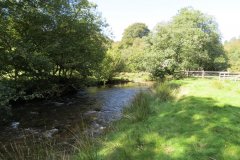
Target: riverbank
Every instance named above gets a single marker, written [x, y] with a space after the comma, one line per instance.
[183, 119]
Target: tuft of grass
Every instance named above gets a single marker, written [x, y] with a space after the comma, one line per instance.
[217, 84]
[139, 108]
[165, 91]
[86, 147]
[33, 148]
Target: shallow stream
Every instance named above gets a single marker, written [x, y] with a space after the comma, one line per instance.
[91, 109]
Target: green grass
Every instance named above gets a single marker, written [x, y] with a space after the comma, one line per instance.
[201, 123]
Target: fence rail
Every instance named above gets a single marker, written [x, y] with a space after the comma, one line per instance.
[222, 75]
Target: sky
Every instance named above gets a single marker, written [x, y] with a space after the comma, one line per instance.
[119, 14]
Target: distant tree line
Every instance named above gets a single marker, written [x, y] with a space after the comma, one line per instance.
[190, 41]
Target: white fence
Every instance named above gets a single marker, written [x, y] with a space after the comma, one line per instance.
[211, 74]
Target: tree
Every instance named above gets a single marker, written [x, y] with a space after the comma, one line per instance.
[136, 30]
[47, 41]
[50, 38]
[233, 53]
[132, 47]
[191, 41]
[134, 55]
[112, 64]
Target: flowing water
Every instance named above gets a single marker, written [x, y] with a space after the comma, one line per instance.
[91, 109]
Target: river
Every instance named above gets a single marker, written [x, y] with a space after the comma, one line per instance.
[91, 110]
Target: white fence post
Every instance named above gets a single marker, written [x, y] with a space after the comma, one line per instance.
[203, 73]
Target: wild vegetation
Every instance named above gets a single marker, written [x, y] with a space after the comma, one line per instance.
[195, 119]
[50, 48]
[232, 48]
[190, 41]
[45, 46]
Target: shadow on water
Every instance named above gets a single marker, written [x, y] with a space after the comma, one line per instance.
[191, 128]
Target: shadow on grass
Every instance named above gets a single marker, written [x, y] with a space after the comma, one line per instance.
[191, 128]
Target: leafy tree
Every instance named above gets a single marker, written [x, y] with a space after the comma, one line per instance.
[131, 48]
[48, 41]
[112, 64]
[136, 30]
[191, 41]
[233, 52]
[134, 55]
[57, 37]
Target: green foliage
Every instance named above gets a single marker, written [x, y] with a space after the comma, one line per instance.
[190, 41]
[134, 55]
[49, 41]
[42, 39]
[131, 49]
[111, 64]
[233, 52]
[136, 30]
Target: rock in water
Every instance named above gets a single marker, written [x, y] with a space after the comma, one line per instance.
[90, 113]
[50, 133]
[58, 104]
[15, 125]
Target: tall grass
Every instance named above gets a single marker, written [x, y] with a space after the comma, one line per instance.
[32, 149]
[165, 91]
[86, 147]
[217, 84]
[82, 144]
[139, 108]
[85, 143]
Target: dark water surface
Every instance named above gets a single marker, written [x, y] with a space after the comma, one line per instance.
[91, 109]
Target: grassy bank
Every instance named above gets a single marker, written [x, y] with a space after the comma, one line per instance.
[184, 119]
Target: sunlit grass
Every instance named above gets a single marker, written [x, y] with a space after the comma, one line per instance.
[202, 123]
